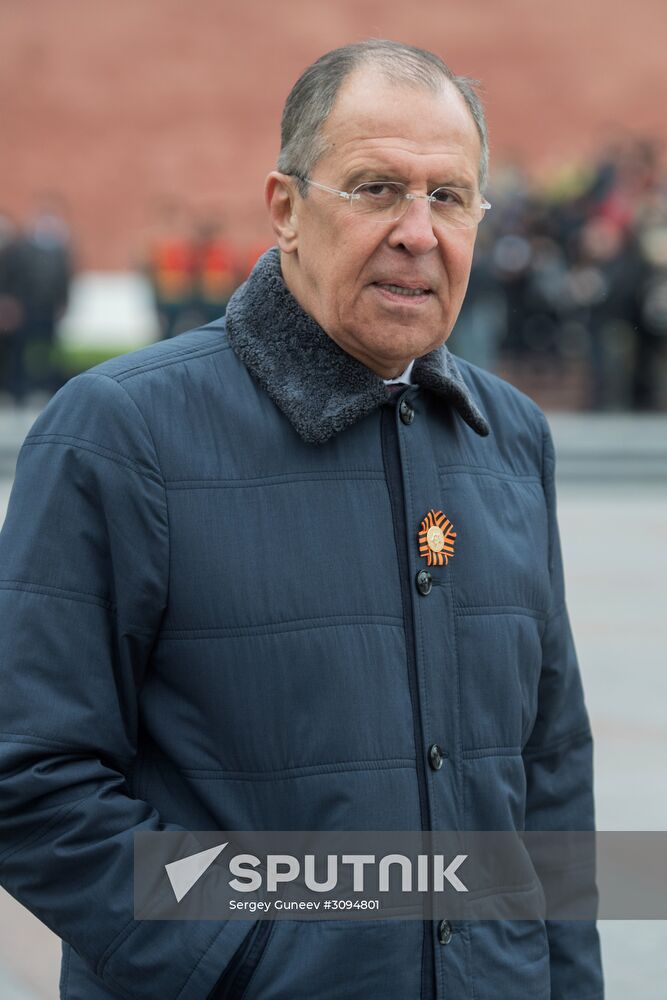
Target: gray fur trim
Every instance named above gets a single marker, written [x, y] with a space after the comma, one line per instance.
[319, 387]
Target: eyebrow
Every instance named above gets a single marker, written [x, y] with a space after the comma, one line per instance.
[371, 174]
[386, 174]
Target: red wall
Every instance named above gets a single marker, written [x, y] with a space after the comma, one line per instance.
[117, 103]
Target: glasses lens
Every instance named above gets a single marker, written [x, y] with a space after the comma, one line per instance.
[387, 201]
[455, 207]
[382, 199]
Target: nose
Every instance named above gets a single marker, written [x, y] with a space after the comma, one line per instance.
[414, 230]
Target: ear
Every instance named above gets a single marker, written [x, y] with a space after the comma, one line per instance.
[281, 201]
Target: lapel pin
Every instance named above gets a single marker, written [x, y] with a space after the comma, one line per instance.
[436, 538]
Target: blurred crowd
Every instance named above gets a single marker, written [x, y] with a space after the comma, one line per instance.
[192, 266]
[35, 272]
[570, 279]
[568, 287]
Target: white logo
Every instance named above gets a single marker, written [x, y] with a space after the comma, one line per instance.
[184, 873]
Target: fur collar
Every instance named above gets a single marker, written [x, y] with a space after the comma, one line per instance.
[319, 387]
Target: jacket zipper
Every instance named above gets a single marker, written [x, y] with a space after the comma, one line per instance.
[391, 457]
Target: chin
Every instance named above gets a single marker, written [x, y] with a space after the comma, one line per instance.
[403, 345]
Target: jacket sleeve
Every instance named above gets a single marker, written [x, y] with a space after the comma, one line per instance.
[558, 760]
[84, 566]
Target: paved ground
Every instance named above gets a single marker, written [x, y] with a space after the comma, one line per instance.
[613, 518]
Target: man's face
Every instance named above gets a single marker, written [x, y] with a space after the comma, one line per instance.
[340, 264]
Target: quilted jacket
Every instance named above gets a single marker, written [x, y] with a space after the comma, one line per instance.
[214, 618]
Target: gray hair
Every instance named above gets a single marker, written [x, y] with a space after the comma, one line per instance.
[312, 98]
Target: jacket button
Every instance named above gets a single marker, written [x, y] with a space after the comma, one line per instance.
[444, 932]
[406, 412]
[424, 582]
[435, 757]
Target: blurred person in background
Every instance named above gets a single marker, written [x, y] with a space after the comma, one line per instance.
[217, 269]
[574, 263]
[171, 266]
[602, 279]
[12, 346]
[48, 266]
[482, 322]
[38, 267]
[299, 570]
[649, 387]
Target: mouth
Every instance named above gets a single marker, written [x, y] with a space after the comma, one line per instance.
[403, 291]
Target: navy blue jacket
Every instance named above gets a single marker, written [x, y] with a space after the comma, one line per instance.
[213, 619]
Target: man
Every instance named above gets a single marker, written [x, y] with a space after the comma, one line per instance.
[252, 586]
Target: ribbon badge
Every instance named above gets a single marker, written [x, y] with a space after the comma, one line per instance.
[436, 538]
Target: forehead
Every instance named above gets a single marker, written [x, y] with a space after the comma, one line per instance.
[407, 129]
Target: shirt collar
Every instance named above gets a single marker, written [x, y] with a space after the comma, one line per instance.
[404, 379]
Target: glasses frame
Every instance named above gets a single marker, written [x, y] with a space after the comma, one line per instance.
[352, 196]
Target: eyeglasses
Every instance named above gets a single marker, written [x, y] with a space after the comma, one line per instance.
[387, 201]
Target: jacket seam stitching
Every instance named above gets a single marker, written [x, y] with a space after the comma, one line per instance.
[65, 971]
[160, 481]
[579, 736]
[131, 399]
[316, 770]
[459, 700]
[326, 473]
[260, 960]
[83, 445]
[201, 958]
[117, 986]
[481, 470]
[471, 610]
[185, 355]
[509, 888]
[81, 596]
[555, 612]
[185, 485]
[233, 631]
[116, 941]
[421, 708]
[267, 631]
[40, 742]
[468, 944]
[36, 835]
[499, 751]
[546, 493]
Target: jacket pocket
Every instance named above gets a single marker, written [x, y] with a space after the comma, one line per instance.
[241, 969]
[509, 958]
